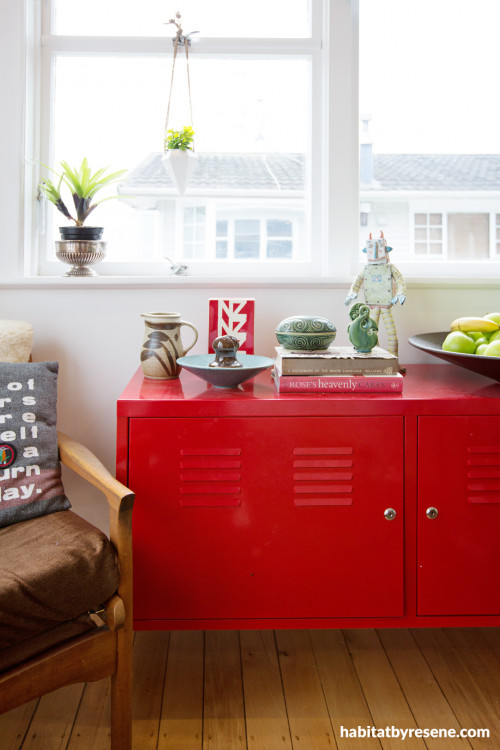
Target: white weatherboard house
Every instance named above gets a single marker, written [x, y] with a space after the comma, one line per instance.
[432, 207]
[241, 206]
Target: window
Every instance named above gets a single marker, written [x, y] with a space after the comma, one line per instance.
[430, 152]
[428, 234]
[468, 236]
[194, 232]
[276, 111]
[255, 80]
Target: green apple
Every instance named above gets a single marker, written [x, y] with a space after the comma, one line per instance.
[494, 336]
[493, 349]
[495, 317]
[456, 341]
[481, 349]
[481, 341]
[474, 334]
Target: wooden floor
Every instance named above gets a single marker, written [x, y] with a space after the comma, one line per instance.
[278, 690]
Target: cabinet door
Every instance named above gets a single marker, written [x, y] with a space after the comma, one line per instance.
[458, 550]
[267, 517]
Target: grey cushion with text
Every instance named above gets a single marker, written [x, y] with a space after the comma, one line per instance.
[30, 471]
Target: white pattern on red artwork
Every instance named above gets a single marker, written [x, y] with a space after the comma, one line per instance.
[232, 317]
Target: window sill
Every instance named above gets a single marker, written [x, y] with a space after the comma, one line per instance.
[203, 282]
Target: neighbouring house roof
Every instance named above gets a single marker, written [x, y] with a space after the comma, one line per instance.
[249, 172]
[253, 173]
[414, 172]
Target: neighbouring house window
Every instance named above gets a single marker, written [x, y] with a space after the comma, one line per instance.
[279, 238]
[468, 236]
[194, 232]
[254, 239]
[428, 234]
[221, 239]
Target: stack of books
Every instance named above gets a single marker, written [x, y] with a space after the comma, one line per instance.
[338, 369]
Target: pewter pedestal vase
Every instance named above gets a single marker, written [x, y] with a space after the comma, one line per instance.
[80, 254]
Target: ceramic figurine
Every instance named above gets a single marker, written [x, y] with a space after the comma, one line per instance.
[225, 348]
[384, 286]
[363, 329]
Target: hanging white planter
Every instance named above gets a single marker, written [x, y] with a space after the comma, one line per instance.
[179, 165]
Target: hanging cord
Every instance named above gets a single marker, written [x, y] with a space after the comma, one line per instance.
[186, 41]
[186, 46]
[176, 44]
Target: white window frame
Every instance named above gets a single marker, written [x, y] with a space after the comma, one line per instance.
[338, 188]
[333, 36]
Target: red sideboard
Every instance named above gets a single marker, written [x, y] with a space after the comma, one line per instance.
[256, 509]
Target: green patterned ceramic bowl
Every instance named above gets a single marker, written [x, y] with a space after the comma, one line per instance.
[305, 333]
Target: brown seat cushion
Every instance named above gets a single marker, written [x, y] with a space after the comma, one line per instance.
[53, 569]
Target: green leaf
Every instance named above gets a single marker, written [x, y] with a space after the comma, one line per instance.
[83, 185]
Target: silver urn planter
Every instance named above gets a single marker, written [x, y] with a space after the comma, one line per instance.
[80, 247]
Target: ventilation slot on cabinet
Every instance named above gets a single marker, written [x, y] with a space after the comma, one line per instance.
[322, 476]
[483, 474]
[210, 477]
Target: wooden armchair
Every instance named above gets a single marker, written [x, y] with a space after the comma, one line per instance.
[104, 650]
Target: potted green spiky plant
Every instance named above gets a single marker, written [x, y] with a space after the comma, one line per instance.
[179, 158]
[79, 245]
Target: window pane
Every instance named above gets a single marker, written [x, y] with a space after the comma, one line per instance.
[221, 249]
[246, 249]
[430, 139]
[219, 18]
[221, 228]
[468, 235]
[246, 227]
[279, 249]
[277, 228]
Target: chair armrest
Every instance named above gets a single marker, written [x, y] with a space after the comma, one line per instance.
[120, 500]
[77, 457]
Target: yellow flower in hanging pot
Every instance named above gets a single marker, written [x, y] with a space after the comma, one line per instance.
[179, 158]
[180, 139]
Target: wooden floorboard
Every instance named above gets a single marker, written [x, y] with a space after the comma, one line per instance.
[423, 694]
[385, 698]
[458, 683]
[15, 724]
[223, 704]
[181, 723]
[265, 708]
[283, 690]
[310, 725]
[343, 692]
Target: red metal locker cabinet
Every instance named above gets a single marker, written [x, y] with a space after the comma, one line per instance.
[267, 517]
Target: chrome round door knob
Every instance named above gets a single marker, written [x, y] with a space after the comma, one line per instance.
[390, 514]
[432, 513]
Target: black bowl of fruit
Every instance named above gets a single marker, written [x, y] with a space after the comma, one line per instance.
[473, 343]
